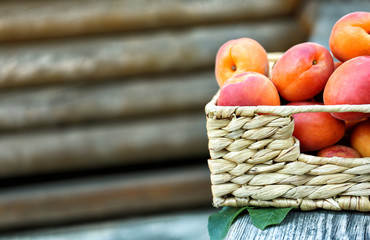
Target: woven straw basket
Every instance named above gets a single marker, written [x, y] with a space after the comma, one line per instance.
[255, 161]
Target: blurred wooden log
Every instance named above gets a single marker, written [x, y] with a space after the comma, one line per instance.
[307, 14]
[121, 55]
[104, 196]
[137, 97]
[43, 18]
[143, 141]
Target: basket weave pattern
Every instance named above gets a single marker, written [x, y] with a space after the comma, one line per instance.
[255, 161]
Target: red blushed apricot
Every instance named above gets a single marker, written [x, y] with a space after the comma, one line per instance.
[302, 71]
[240, 55]
[316, 130]
[337, 64]
[248, 89]
[349, 84]
[350, 37]
[339, 151]
[360, 138]
[351, 124]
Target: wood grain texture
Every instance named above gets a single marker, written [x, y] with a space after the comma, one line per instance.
[107, 57]
[103, 196]
[81, 103]
[89, 147]
[323, 225]
[42, 19]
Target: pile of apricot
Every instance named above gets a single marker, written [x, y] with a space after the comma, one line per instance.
[306, 74]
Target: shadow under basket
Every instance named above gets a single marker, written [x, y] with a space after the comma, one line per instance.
[256, 161]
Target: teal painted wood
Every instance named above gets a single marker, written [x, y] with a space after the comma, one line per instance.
[178, 225]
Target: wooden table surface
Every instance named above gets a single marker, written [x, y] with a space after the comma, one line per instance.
[300, 225]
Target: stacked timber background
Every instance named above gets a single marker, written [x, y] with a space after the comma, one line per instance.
[102, 102]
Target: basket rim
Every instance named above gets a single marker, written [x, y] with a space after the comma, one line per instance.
[211, 108]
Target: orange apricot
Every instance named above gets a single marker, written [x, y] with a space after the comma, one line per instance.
[238, 56]
[316, 130]
[360, 138]
[350, 37]
[302, 71]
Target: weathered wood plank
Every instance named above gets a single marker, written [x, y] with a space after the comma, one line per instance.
[123, 194]
[87, 147]
[307, 15]
[42, 18]
[107, 57]
[307, 225]
[79, 103]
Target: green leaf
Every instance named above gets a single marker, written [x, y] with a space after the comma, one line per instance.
[263, 217]
[220, 222]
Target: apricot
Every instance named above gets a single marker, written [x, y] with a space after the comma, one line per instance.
[248, 89]
[350, 37]
[337, 64]
[238, 56]
[360, 138]
[316, 130]
[302, 71]
[339, 151]
[349, 84]
[351, 124]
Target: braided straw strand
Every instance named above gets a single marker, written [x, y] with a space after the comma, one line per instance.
[217, 112]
